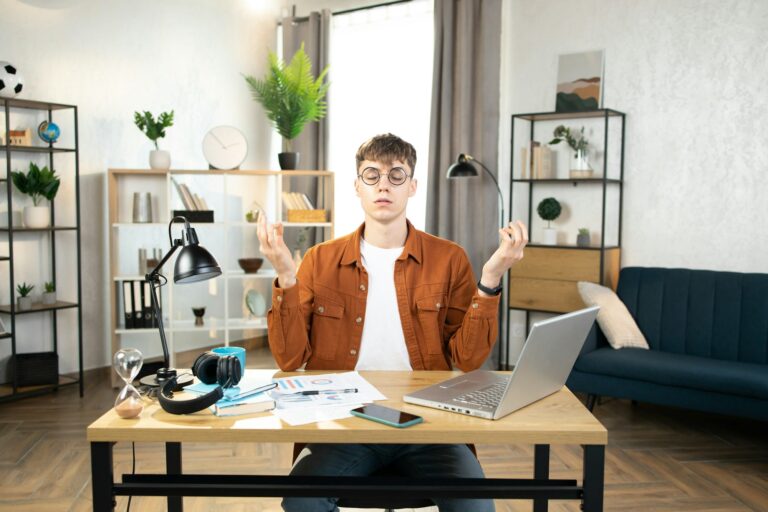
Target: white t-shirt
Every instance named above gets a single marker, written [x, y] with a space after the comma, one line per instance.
[383, 343]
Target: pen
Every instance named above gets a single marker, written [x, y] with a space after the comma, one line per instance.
[252, 392]
[326, 392]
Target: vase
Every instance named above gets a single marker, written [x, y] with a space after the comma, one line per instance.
[49, 298]
[37, 217]
[159, 159]
[288, 161]
[580, 165]
[25, 303]
[142, 207]
[550, 236]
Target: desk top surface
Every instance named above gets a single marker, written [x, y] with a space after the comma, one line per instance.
[557, 419]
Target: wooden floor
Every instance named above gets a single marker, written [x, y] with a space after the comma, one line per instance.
[658, 459]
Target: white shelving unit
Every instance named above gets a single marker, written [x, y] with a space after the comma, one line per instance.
[230, 194]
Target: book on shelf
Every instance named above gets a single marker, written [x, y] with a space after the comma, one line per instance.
[536, 162]
[136, 305]
[297, 201]
[127, 304]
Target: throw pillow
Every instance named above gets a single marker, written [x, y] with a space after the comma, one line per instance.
[614, 318]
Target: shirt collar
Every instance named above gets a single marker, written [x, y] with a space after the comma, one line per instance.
[352, 250]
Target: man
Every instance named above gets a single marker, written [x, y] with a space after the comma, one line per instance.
[386, 297]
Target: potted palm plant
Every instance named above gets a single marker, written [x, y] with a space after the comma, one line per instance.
[291, 97]
[549, 209]
[25, 301]
[39, 184]
[155, 129]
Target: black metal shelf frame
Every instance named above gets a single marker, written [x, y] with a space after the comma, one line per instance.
[605, 114]
[10, 230]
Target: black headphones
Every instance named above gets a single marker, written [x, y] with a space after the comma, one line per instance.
[210, 368]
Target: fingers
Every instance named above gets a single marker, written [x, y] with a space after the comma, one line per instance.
[261, 233]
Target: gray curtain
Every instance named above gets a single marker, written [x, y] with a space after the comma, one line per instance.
[312, 143]
[465, 119]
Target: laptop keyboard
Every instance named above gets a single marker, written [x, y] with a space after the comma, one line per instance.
[489, 396]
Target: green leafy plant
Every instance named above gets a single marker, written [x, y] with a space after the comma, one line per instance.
[291, 96]
[153, 129]
[50, 287]
[24, 289]
[549, 209]
[583, 231]
[577, 142]
[37, 183]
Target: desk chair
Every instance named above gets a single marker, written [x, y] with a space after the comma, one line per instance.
[395, 502]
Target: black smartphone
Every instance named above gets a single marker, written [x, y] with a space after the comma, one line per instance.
[387, 416]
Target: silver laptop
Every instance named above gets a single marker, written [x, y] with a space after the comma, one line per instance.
[542, 368]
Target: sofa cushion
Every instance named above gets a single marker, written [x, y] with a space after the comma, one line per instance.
[680, 370]
[614, 319]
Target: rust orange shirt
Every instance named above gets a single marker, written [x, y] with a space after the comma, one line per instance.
[319, 320]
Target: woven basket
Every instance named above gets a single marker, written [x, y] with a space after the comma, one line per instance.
[306, 216]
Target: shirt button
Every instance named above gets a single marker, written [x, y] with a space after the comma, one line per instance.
[320, 309]
[359, 319]
[279, 298]
[474, 305]
[362, 287]
[353, 351]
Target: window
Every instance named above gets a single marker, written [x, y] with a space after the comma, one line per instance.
[381, 81]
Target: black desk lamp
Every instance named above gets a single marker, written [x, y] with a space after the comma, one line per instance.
[194, 263]
[463, 168]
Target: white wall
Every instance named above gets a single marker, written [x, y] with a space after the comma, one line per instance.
[112, 58]
[691, 77]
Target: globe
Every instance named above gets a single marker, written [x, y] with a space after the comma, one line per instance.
[48, 131]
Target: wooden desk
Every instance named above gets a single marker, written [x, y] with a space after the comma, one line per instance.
[557, 419]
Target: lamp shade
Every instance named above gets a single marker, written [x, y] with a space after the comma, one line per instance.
[462, 168]
[194, 263]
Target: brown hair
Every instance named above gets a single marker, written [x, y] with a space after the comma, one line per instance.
[386, 148]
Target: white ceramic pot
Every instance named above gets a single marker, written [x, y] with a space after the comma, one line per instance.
[25, 303]
[49, 298]
[159, 159]
[550, 236]
[37, 216]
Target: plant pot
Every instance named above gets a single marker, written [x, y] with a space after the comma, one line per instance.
[25, 303]
[159, 159]
[580, 165]
[288, 161]
[582, 240]
[37, 216]
[550, 236]
[49, 298]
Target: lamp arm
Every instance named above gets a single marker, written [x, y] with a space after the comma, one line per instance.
[498, 189]
[154, 279]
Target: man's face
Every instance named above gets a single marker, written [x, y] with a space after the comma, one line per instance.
[384, 201]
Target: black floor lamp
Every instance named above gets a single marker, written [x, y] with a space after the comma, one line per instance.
[194, 263]
[463, 168]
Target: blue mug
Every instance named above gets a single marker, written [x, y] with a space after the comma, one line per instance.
[232, 351]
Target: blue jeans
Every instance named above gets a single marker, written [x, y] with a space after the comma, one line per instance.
[417, 460]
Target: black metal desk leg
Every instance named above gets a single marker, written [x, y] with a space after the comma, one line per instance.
[594, 478]
[541, 472]
[102, 478]
[173, 467]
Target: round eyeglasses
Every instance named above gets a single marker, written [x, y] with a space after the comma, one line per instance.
[396, 176]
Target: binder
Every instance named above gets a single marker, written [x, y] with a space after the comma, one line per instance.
[146, 300]
[128, 304]
[138, 310]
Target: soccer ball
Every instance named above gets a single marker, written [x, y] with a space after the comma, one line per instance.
[11, 81]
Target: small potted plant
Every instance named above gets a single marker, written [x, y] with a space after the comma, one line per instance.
[582, 239]
[39, 184]
[292, 97]
[155, 129]
[580, 166]
[49, 297]
[25, 301]
[549, 209]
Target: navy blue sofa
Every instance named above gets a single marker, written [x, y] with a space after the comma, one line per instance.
[708, 334]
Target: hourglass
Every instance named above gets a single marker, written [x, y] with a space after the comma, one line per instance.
[127, 363]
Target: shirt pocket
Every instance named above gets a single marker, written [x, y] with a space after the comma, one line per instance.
[326, 332]
[431, 313]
